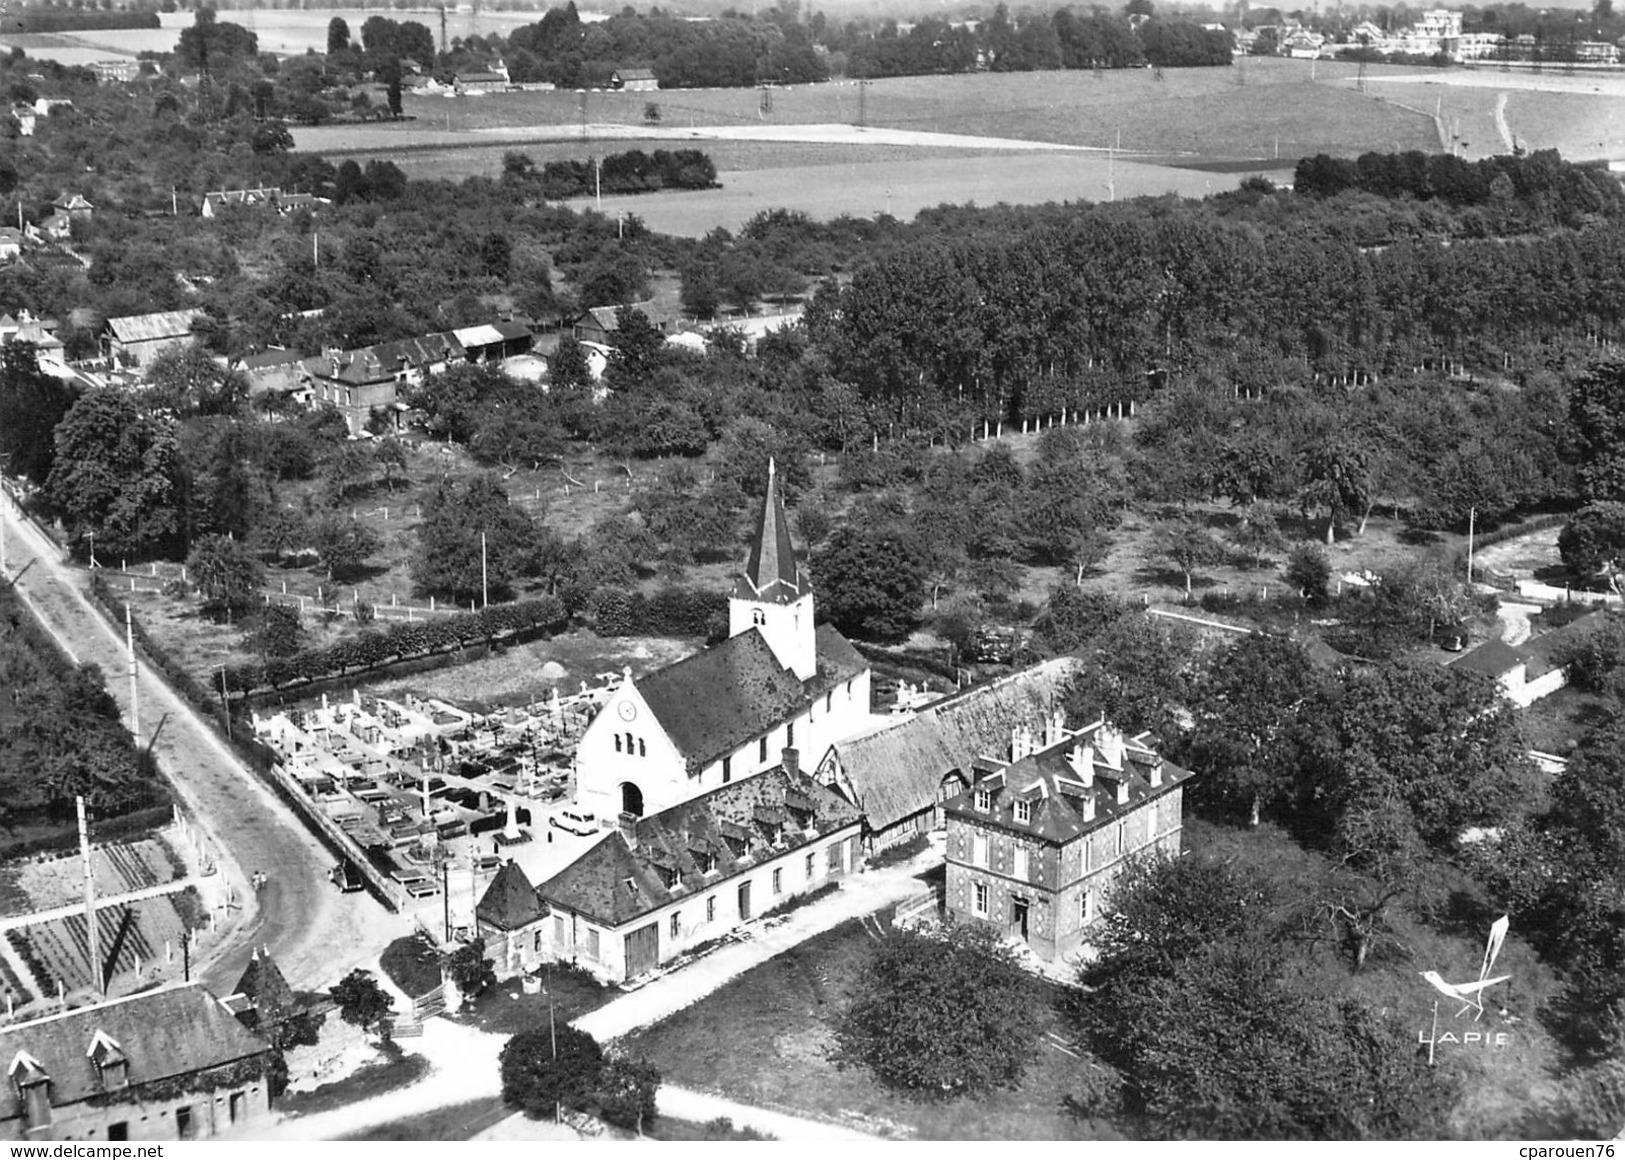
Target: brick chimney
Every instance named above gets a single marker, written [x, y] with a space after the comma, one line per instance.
[791, 760]
[1156, 773]
[629, 829]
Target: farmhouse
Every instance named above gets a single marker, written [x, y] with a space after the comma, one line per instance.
[902, 771]
[137, 339]
[599, 324]
[691, 873]
[274, 371]
[265, 197]
[171, 1064]
[635, 80]
[1035, 843]
[365, 384]
[778, 682]
[482, 81]
[1532, 670]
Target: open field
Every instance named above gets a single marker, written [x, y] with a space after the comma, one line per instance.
[903, 188]
[731, 157]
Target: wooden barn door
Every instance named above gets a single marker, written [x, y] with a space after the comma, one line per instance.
[642, 950]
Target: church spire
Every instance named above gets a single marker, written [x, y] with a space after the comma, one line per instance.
[773, 573]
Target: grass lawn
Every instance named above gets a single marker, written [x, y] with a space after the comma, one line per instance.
[374, 1079]
[453, 1122]
[763, 1039]
[412, 965]
[506, 1010]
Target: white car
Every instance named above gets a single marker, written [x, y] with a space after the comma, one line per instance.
[574, 822]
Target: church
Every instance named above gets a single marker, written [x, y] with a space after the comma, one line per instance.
[779, 682]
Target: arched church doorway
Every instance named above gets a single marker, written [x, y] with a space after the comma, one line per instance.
[631, 799]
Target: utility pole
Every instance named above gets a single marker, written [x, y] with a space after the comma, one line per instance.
[583, 114]
[445, 893]
[485, 584]
[442, 28]
[92, 935]
[1472, 516]
[129, 644]
[225, 702]
[598, 182]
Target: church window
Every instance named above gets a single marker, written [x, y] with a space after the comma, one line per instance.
[629, 744]
[849, 690]
[617, 743]
[641, 751]
[758, 617]
[727, 770]
[829, 702]
[790, 735]
[761, 750]
[674, 924]
[711, 909]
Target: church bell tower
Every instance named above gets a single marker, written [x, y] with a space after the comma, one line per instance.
[774, 596]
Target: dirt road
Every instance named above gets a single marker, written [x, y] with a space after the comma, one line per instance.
[314, 932]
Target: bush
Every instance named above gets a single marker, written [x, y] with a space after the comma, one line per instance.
[626, 1092]
[550, 1066]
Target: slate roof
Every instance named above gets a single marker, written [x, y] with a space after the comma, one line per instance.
[773, 572]
[171, 1032]
[264, 984]
[636, 74]
[896, 769]
[713, 702]
[269, 358]
[1545, 652]
[1493, 658]
[147, 327]
[510, 902]
[615, 884]
[1056, 797]
[385, 361]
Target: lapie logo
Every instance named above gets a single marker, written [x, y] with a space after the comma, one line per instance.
[1471, 997]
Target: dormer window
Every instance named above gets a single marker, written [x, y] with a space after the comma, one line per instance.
[668, 876]
[110, 1061]
[34, 1086]
[983, 801]
[1024, 811]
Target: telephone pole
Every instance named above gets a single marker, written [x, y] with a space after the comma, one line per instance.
[129, 644]
[485, 585]
[92, 935]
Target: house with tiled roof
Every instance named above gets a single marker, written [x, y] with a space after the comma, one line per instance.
[599, 324]
[365, 384]
[1534, 669]
[634, 80]
[508, 917]
[136, 339]
[778, 682]
[690, 873]
[1036, 842]
[900, 772]
[171, 1064]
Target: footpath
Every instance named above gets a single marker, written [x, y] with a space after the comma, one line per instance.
[463, 1060]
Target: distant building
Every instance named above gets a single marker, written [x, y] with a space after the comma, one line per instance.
[115, 71]
[11, 243]
[171, 1064]
[1036, 842]
[268, 197]
[1534, 669]
[599, 323]
[494, 341]
[273, 371]
[137, 339]
[634, 80]
[365, 384]
[493, 80]
[25, 117]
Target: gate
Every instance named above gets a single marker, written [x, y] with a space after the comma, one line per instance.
[643, 950]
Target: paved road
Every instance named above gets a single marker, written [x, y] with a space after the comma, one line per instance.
[313, 932]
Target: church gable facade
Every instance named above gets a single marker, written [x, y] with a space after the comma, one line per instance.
[778, 682]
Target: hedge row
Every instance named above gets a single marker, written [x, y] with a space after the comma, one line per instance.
[669, 612]
[401, 641]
